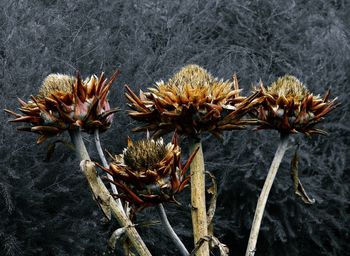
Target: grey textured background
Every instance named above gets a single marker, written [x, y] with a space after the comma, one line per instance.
[45, 206]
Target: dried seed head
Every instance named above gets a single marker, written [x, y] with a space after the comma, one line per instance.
[191, 102]
[64, 103]
[193, 75]
[289, 107]
[56, 83]
[289, 86]
[144, 154]
[149, 172]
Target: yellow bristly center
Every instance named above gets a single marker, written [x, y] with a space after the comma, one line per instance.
[55, 83]
[194, 81]
[144, 154]
[289, 87]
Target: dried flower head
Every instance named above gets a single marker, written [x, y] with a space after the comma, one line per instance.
[66, 102]
[148, 172]
[191, 102]
[289, 107]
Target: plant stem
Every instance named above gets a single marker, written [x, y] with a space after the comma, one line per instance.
[105, 164]
[102, 195]
[78, 143]
[259, 212]
[199, 213]
[171, 231]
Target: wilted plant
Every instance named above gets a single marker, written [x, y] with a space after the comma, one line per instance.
[190, 103]
[289, 107]
[149, 172]
[66, 103]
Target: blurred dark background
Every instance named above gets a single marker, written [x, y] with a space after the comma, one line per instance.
[45, 205]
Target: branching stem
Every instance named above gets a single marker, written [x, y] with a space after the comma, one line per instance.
[102, 195]
[105, 164]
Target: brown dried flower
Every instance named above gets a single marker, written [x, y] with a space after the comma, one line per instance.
[289, 107]
[148, 172]
[65, 102]
[191, 102]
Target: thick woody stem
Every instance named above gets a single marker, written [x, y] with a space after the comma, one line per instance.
[105, 164]
[171, 231]
[259, 212]
[102, 195]
[199, 213]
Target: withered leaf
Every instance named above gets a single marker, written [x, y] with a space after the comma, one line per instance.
[214, 242]
[298, 187]
[52, 146]
[213, 190]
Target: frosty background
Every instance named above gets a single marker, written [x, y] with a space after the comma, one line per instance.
[45, 205]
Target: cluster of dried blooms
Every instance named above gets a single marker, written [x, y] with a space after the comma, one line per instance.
[149, 172]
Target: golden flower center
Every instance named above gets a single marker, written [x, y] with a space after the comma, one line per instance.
[289, 87]
[193, 82]
[56, 83]
[144, 154]
[193, 75]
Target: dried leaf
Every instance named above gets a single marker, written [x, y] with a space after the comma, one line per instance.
[214, 242]
[120, 232]
[150, 223]
[298, 187]
[116, 235]
[50, 151]
[213, 190]
[51, 148]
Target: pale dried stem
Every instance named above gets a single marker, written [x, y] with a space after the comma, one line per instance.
[199, 214]
[103, 197]
[259, 212]
[105, 164]
[170, 231]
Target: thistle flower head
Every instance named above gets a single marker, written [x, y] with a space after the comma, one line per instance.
[66, 102]
[289, 107]
[148, 172]
[190, 102]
